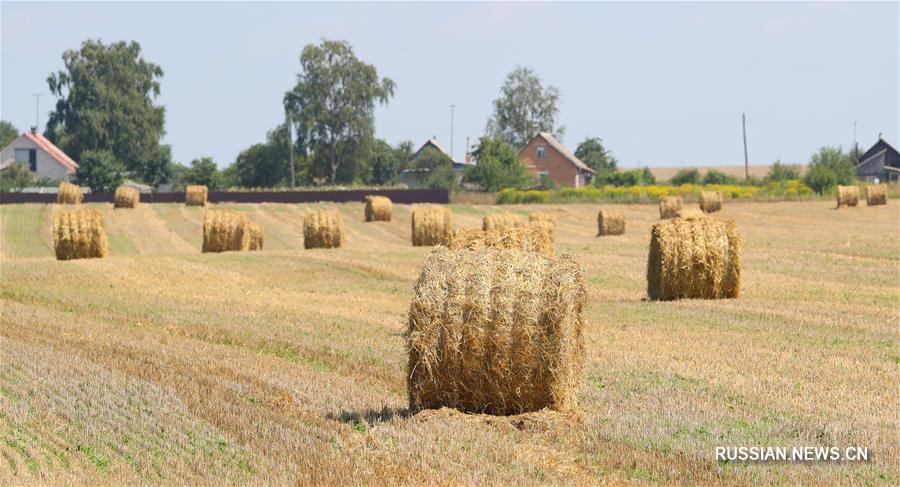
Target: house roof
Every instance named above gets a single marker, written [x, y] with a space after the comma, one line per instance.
[556, 144]
[876, 149]
[55, 152]
[434, 143]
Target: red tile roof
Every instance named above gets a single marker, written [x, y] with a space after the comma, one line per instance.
[55, 152]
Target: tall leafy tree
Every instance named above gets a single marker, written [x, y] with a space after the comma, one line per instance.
[387, 161]
[497, 166]
[783, 172]
[333, 105]
[105, 101]
[828, 167]
[100, 171]
[266, 165]
[8, 133]
[524, 108]
[594, 154]
[204, 171]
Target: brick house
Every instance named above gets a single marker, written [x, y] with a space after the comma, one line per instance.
[543, 155]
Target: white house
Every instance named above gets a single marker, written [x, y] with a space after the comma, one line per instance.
[43, 158]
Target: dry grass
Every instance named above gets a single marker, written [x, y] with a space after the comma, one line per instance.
[876, 194]
[289, 367]
[323, 229]
[710, 201]
[537, 238]
[69, 194]
[126, 197]
[610, 223]
[501, 222]
[378, 209]
[669, 206]
[196, 195]
[431, 224]
[79, 234]
[226, 231]
[847, 196]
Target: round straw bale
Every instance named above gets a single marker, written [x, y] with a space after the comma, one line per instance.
[496, 331]
[225, 231]
[196, 195]
[669, 206]
[323, 229]
[501, 222]
[689, 213]
[847, 196]
[79, 234]
[695, 258]
[710, 201]
[610, 223]
[69, 194]
[537, 238]
[127, 197]
[378, 208]
[542, 216]
[431, 224]
[256, 236]
[876, 194]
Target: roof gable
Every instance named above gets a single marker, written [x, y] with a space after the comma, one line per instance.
[877, 148]
[54, 152]
[559, 147]
[434, 144]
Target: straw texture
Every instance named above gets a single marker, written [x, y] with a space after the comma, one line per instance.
[431, 224]
[876, 194]
[847, 196]
[710, 201]
[225, 231]
[195, 195]
[537, 238]
[669, 206]
[501, 222]
[323, 229]
[79, 234]
[378, 209]
[126, 197]
[69, 194]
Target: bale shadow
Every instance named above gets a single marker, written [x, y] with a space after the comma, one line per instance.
[370, 416]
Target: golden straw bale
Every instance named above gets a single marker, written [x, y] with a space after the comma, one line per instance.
[847, 196]
[127, 197]
[710, 201]
[225, 231]
[79, 234]
[689, 213]
[501, 222]
[323, 229]
[542, 216]
[610, 223]
[196, 195]
[256, 236]
[496, 331]
[537, 238]
[378, 208]
[431, 224]
[669, 206]
[694, 258]
[876, 194]
[69, 194]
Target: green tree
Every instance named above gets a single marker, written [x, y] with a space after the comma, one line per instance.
[524, 108]
[820, 178]
[15, 177]
[100, 171]
[104, 101]
[718, 177]
[438, 167]
[204, 171]
[828, 167]
[333, 105]
[387, 161]
[783, 172]
[497, 166]
[685, 176]
[592, 153]
[8, 133]
[633, 177]
[267, 165]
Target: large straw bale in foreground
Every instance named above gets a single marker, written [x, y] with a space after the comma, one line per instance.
[669, 206]
[697, 258]
[378, 209]
[496, 331]
[195, 195]
[323, 229]
[69, 194]
[710, 201]
[431, 225]
[225, 231]
[79, 234]
[847, 196]
[127, 197]
[538, 238]
[501, 222]
[256, 236]
[610, 223]
[876, 194]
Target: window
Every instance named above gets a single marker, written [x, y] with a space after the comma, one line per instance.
[543, 174]
[22, 155]
[28, 156]
[541, 151]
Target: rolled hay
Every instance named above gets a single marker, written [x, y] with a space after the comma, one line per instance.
[689, 213]
[694, 258]
[323, 229]
[431, 225]
[256, 236]
[876, 194]
[496, 331]
[537, 238]
[710, 201]
[79, 234]
[501, 222]
[541, 216]
[847, 196]
[225, 231]
[669, 206]
[610, 223]
[378, 209]
[196, 195]
[127, 197]
[69, 194]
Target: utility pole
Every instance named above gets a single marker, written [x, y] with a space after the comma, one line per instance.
[746, 159]
[37, 111]
[855, 143]
[290, 129]
[452, 107]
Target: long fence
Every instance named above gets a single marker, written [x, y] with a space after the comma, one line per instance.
[403, 196]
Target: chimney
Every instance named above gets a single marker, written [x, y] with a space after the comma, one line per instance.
[34, 130]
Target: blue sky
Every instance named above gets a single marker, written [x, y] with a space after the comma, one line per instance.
[663, 84]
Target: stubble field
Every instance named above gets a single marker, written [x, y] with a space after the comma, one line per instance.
[160, 364]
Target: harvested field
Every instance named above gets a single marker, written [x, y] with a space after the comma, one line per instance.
[162, 365]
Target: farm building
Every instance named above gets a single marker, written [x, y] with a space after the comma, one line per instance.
[414, 177]
[544, 155]
[43, 158]
[879, 164]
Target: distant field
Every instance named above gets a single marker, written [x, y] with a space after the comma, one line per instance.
[760, 171]
[164, 365]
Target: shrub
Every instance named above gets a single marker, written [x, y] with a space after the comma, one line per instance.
[685, 176]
